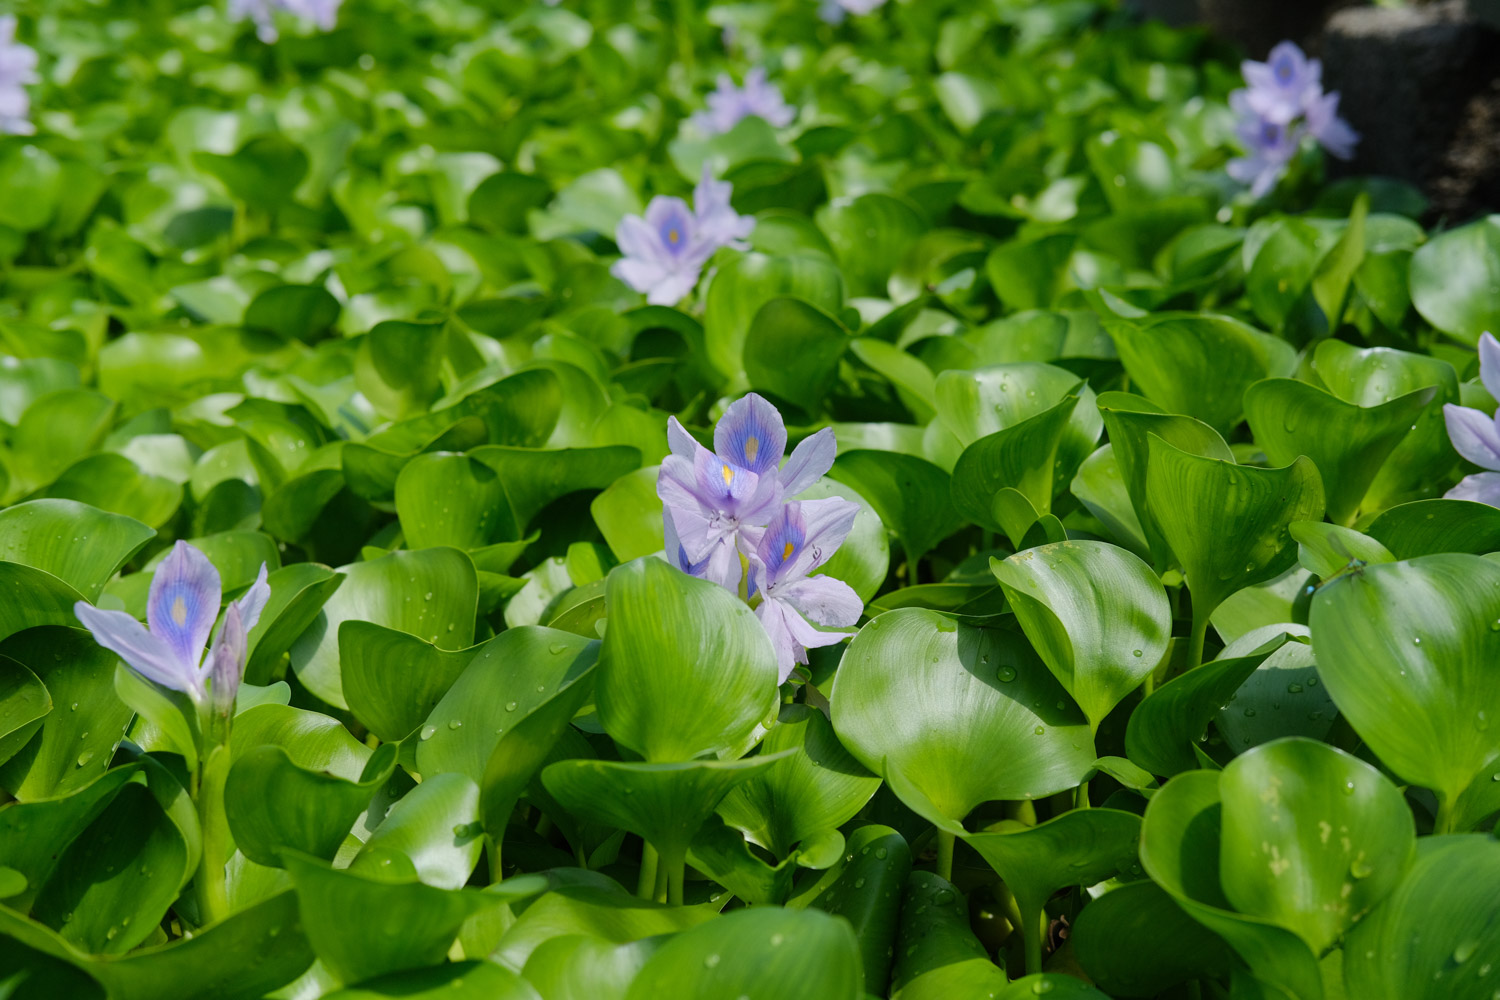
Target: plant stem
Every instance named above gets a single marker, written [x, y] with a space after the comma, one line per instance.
[208, 881]
[646, 886]
[1443, 823]
[1033, 930]
[1195, 643]
[492, 852]
[945, 854]
[676, 876]
[1081, 797]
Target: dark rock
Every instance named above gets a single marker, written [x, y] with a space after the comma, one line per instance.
[1419, 84]
[1255, 25]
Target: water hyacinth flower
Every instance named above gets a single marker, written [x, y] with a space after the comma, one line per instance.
[181, 609]
[665, 250]
[728, 105]
[802, 537]
[1476, 435]
[834, 11]
[717, 503]
[1284, 103]
[323, 13]
[17, 70]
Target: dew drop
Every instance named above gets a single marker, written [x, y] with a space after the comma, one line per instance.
[85, 757]
[427, 732]
[1041, 986]
[557, 648]
[880, 852]
[1007, 674]
[510, 706]
[1039, 730]
[427, 596]
[709, 961]
[1465, 951]
[1416, 640]
[1249, 713]
[1137, 652]
[859, 883]
[455, 723]
[1294, 688]
[1361, 868]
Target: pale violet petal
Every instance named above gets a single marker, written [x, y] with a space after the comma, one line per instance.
[143, 652]
[253, 602]
[751, 434]
[1489, 364]
[1482, 487]
[810, 462]
[774, 618]
[184, 602]
[824, 600]
[1474, 436]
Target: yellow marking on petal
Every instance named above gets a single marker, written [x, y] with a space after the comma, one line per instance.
[786, 552]
[673, 236]
[179, 611]
[728, 475]
[752, 446]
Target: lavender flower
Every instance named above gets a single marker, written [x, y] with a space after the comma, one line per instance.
[323, 13]
[17, 69]
[803, 536]
[834, 11]
[1284, 103]
[665, 250]
[728, 105]
[1476, 436]
[181, 608]
[718, 502]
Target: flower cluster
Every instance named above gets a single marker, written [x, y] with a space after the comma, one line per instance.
[730, 516]
[1476, 435]
[728, 105]
[834, 11]
[17, 69]
[1282, 103]
[664, 251]
[181, 609]
[323, 13]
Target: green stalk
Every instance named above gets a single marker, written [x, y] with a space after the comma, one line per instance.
[1195, 643]
[1081, 797]
[1443, 823]
[646, 886]
[1033, 930]
[945, 854]
[676, 876]
[209, 889]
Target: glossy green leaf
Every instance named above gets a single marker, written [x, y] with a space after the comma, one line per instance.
[1227, 524]
[458, 981]
[910, 495]
[744, 285]
[1429, 527]
[983, 719]
[934, 931]
[685, 668]
[803, 951]
[1134, 941]
[24, 702]
[435, 827]
[534, 478]
[786, 327]
[431, 594]
[1096, 614]
[868, 893]
[1453, 278]
[1285, 696]
[1325, 550]
[1021, 460]
[80, 545]
[393, 680]
[603, 913]
[579, 967]
[1404, 649]
[1347, 443]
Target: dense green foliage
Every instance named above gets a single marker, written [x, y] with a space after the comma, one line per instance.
[1176, 672]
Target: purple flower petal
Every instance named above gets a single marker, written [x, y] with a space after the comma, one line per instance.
[825, 600]
[184, 602]
[1331, 131]
[810, 462]
[718, 223]
[1482, 487]
[751, 435]
[143, 652]
[253, 601]
[225, 666]
[777, 619]
[1474, 435]
[1489, 364]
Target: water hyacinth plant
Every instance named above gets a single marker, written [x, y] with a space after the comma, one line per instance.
[950, 542]
[323, 14]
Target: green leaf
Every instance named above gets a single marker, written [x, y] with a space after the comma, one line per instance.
[1132, 421]
[606, 914]
[431, 594]
[396, 367]
[870, 235]
[454, 500]
[298, 593]
[533, 478]
[1100, 486]
[50, 535]
[1180, 850]
[1134, 941]
[293, 312]
[686, 669]
[762, 951]
[1225, 523]
[910, 494]
[24, 702]
[820, 787]
[32, 832]
[745, 284]
[628, 515]
[1021, 460]
[1347, 443]
[1165, 726]
[313, 742]
[1284, 696]
[1429, 527]
[57, 430]
[274, 805]
[455, 981]
[393, 680]
[934, 931]
[416, 923]
[1317, 878]
[786, 327]
[1096, 614]
[1437, 936]
[1453, 279]
[868, 894]
[1200, 365]
[1325, 550]
[1405, 650]
[578, 967]
[983, 719]
[242, 957]
[263, 173]
[506, 679]
[434, 826]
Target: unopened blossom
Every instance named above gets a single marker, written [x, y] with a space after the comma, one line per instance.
[717, 503]
[181, 609]
[323, 13]
[802, 537]
[1282, 104]
[728, 105]
[834, 11]
[665, 250]
[17, 70]
[1476, 435]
